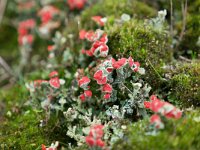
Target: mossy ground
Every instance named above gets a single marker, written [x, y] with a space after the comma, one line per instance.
[185, 83]
[20, 122]
[19, 128]
[183, 134]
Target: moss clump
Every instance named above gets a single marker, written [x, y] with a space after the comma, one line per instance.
[19, 123]
[116, 8]
[19, 128]
[185, 84]
[146, 45]
[179, 134]
[21, 132]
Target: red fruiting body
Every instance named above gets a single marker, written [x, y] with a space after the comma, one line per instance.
[95, 135]
[99, 49]
[109, 70]
[171, 111]
[27, 24]
[98, 20]
[26, 39]
[50, 48]
[82, 34]
[104, 38]
[43, 147]
[22, 31]
[153, 97]
[174, 114]
[89, 52]
[88, 93]
[96, 131]
[136, 66]
[147, 104]
[47, 12]
[107, 88]
[46, 17]
[90, 141]
[107, 96]
[53, 74]
[130, 61]
[155, 119]
[82, 97]
[83, 51]
[100, 143]
[76, 4]
[102, 81]
[54, 82]
[98, 76]
[83, 82]
[164, 108]
[156, 105]
[38, 83]
[120, 63]
[91, 36]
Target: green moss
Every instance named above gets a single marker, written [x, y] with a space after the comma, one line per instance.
[19, 123]
[151, 48]
[21, 132]
[185, 84]
[19, 128]
[179, 134]
[116, 8]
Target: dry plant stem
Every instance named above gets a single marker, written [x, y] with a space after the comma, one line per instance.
[6, 73]
[171, 18]
[154, 69]
[185, 59]
[6, 66]
[127, 88]
[25, 58]
[2, 8]
[184, 13]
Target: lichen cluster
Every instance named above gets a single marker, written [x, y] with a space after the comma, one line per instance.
[134, 29]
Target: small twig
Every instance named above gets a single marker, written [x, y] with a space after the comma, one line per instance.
[185, 59]
[127, 88]
[184, 13]
[4, 77]
[6, 66]
[155, 69]
[2, 9]
[171, 18]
